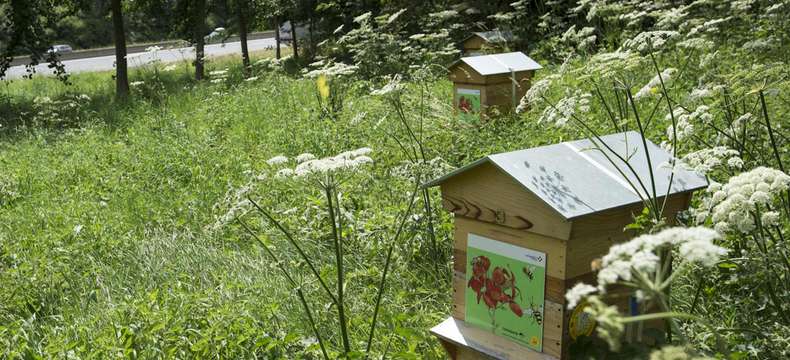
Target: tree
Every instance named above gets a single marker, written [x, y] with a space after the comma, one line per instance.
[199, 31]
[276, 20]
[242, 8]
[23, 31]
[247, 16]
[119, 37]
[191, 25]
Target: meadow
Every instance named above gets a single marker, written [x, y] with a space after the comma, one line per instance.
[171, 225]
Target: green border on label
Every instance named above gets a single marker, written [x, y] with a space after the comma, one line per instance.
[505, 289]
[468, 104]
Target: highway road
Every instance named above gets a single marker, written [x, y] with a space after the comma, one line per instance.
[105, 63]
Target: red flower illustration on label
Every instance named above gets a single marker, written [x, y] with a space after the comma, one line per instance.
[497, 289]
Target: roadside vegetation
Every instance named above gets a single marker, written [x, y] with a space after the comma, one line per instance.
[275, 211]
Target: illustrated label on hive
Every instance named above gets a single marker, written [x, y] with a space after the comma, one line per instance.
[468, 104]
[505, 290]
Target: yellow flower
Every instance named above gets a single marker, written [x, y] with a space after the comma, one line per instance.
[323, 86]
[534, 341]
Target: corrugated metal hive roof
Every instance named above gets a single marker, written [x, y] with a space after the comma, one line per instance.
[576, 179]
[501, 63]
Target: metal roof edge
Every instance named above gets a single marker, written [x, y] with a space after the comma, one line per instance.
[691, 190]
[457, 171]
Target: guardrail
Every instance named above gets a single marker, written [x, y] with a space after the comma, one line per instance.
[136, 48]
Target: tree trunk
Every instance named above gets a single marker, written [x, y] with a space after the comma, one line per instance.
[119, 36]
[311, 24]
[294, 41]
[277, 37]
[199, 33]
[245, 54]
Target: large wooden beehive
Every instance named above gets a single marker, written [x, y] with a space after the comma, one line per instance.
[566, 201]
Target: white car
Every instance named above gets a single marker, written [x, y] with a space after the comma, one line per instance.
[60, 49]
[287, 35]
[218, 33]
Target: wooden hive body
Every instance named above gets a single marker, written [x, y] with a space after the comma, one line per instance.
[488, 201]
[496, 88]
[480, 43]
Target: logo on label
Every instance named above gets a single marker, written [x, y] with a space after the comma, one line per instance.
[581, 323]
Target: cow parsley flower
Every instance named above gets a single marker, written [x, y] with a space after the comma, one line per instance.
[279, 159]
[304, 157]
[609, 323]
[671, 18]
[346, 160]
[696, 44]
[363, 18]
[576, 293]
[705, 160]
[770, 218]
[287, 172]
[652, 88]
[735, 206]
[535, 93]
[640, 254]
[362, 151]
[393, 86]
[566, 108]
[650, 40]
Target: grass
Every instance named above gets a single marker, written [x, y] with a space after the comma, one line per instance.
[117, 231]
[108, 245]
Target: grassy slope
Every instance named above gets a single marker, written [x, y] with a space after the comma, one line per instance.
[145, 181]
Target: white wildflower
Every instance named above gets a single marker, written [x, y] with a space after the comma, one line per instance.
[735, 162]
[576, 293]
[362, 151]
[696, 44]
[653, 86]
[640, 253]
[567, 108]
[279, 159]
[671, 18]
[443, 15]
[283, 173]
[535, 93]
[705, 160]
[363, 160]
[650, 40]
[395, 16]
[346, 160]
[702, 252]
[743, 195]
[393, 86]
[304, 157]
[609, 323]
[770, 218]
[362, 18]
